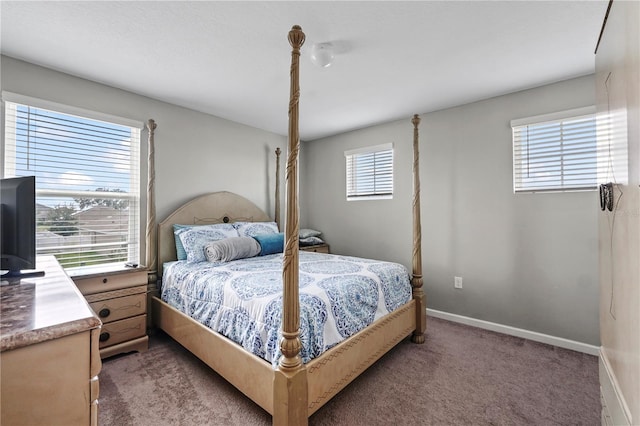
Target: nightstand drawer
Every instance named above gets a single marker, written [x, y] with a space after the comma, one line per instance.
[320, 248]
[121, 307]
[120, 331]
[107, 282]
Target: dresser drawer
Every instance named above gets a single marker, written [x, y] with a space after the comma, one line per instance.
[123, 330]
[107, 282]
[121, 307]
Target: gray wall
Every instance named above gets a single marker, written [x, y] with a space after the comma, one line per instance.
[195, 153]
[527, 260]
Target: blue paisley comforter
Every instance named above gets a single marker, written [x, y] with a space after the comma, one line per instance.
[242, 299]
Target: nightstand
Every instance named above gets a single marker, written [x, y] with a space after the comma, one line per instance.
[119, 298]
[318, 248]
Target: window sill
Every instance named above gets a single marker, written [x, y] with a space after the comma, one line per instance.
[373, 197]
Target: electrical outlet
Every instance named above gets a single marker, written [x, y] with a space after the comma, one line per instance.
[457, 282]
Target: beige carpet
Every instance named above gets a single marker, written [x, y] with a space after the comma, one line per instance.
[460, 376]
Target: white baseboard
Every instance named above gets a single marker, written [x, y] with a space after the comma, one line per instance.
[518, 332]
[614, 407]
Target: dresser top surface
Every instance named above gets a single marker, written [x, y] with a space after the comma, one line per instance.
[105, 270]
[38, 309]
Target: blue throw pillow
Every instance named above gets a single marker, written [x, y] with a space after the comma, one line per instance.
[181, 254]
[270, 243]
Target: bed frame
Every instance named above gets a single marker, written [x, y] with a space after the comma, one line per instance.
[293, 391]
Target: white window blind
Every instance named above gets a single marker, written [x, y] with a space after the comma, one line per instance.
[370, 172]
[87, 182]
[555, 152]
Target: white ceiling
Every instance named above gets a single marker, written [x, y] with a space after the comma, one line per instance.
[231, 59]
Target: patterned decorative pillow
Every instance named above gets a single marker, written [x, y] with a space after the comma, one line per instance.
[251, 229]
[193, 239]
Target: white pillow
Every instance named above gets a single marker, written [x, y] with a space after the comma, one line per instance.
[307, 233]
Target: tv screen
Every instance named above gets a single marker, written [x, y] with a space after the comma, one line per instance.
[18, 226]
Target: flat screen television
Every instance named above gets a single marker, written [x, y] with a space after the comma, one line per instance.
[18, 227]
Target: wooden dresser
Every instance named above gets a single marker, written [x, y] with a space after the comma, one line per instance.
[48, 351]
[119, 298]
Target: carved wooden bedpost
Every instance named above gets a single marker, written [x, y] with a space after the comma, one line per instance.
[416, 280]
[290, 381]
[152, 229]
[277, 212]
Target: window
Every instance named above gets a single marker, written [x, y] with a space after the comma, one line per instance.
[87, 168]
[370, 172]
[555, 152]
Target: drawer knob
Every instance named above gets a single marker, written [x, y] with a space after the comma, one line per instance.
[104, 336]
[104, 280]
[104, 313]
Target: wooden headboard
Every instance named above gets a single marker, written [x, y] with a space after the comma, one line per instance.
[216, 207]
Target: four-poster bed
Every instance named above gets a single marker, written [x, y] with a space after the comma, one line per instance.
[290, 390]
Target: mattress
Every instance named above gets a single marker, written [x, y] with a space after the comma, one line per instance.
[242, 299]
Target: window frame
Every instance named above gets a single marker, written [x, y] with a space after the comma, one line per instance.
[133, 195]
[562, 118]
[387, 186]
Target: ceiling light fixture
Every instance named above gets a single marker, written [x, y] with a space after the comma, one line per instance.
[322, 54]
